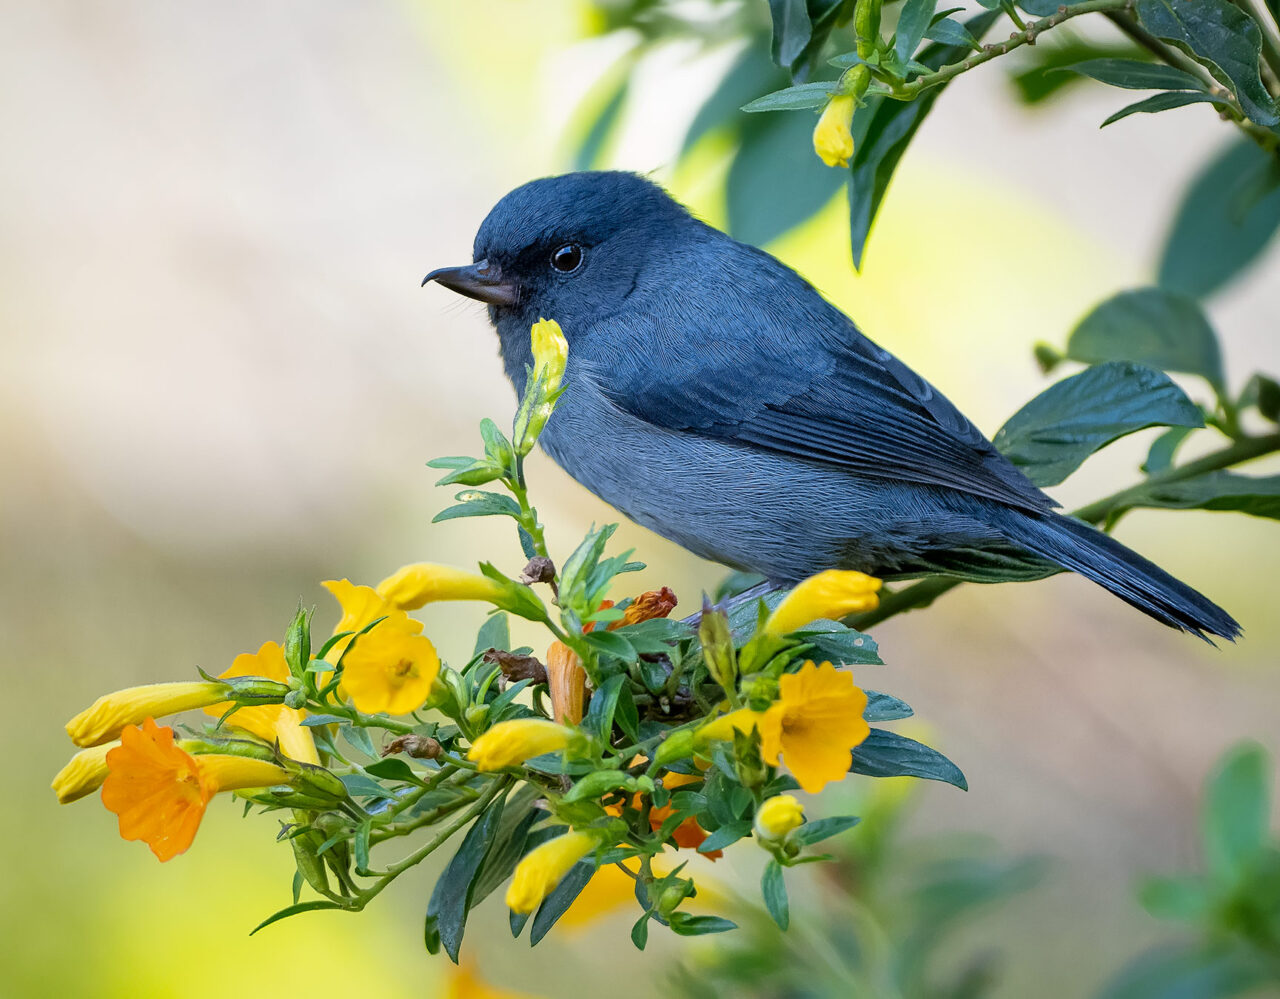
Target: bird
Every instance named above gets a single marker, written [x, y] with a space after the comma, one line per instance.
[714, 396]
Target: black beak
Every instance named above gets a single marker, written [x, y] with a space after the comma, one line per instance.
[481, 280]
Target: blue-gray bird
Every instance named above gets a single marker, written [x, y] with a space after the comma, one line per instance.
[715, 397]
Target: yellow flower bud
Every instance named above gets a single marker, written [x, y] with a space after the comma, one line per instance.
[108, 716]
[83, 774]
[542, 868]
[830, 594]
[778, 816]
[412, 586]
[510, 743]
[721, 728]
[550, 353]
[832, 138]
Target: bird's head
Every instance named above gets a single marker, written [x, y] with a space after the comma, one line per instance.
[567, 248]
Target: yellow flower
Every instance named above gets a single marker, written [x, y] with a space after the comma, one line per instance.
[83, 774]
[543, 867]
[390, 670]
[361, 606]
[412, 586]
[830, 594]
[778, 816]
[550, 352]
[815, 723]
[103, 720]
[271, 722]
[160, 792]
[510, 743]
[832, 139]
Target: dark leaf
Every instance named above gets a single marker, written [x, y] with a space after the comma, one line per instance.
[1052, 435]
[495, 633]
[883, 129]
[887, 754]
[293, 910]
[820, 829]
[640, 932]
[1162, 102]
[557, 903]
[1237, 810]
[1134, 75]
[913, 22]
[1221, 491]
[603, 704]
[797, 98]
[1223, 39]
[840, 644]
[451, 898]
[509, 842]
[611, 643]
[478, 503]
[885, 707]
[726, 835]
[950, 32]
[1228, 216]
[1186, 971]
[792, 30]
[1041, 78]
[1164, 448]
[393, 769]
[694, 926]
[1151, 326]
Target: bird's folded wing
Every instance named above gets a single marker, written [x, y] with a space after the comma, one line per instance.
[853, 406]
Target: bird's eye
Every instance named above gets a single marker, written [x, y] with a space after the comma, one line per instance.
[567, 258]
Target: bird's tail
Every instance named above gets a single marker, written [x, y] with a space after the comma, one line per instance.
[1076, 546]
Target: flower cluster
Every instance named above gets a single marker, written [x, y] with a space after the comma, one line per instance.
[636, 741]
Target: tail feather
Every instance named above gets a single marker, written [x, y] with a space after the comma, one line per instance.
[1076, 546]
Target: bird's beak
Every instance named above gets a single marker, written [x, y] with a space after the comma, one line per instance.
[481, 280]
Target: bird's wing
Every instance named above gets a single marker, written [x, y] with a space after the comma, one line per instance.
[777, 367]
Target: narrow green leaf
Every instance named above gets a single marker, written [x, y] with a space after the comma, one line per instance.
[495, 633]
[774, 889]
[1237, 810]
[819, 829]
[1131, 74]
[640, 932]
[694, 926]
[1164, 448]
[792, 30]
[293, 910]
[1226, 492]
[1053, 434]
[913, 22]
[951, 32]
[557, 903]
[1162, 102]
[451, 898]
[477, 503]
[1223, 39]
[611, 643]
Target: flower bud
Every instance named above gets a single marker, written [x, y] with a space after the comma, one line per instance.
[832, 137]
[567, 683]
[109, 715]
[777, 817]
[544, 866]
[833, 594]
[510, 743]
[717, 647]
[677, 746]
[83, 774]
[550, 355]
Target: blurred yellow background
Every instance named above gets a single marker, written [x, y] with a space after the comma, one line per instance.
[221, 382]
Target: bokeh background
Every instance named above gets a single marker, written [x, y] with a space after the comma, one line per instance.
[220, 382]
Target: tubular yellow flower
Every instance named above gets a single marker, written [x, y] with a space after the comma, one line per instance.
[550, 352]
[271, 722]
[832, 138]
[830, 594]
[412, 586]
[83, 774]
[160, 792]
[543, 867]
[778, 816]
[104, 720]
[390, 670]
[721, 728]
[361, 606]
[567, 683]
[510, 743]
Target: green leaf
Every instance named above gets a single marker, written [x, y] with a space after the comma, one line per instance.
[1237, 811]
[477, 503]
[797, 98]
[603, 704]
[640, 932]
[1229, 214]
[1162, 102]
[1223, 39]
[694, 926]
[820, 829]
[593, 142]
[951, 32]
[293, 910]
[557, 903]
[1041, 79]
[774, 890]
[495, 633]
[885, 707]
[393, 769]
[726, 835]
[451, 898]
[1152, 326]
[1052, 435]
[611, 643]
[772, 146]
[883, 129]
[1185, 899]
[476, 474]
[510, 842]
[1164, 448]
[750, 73]
[1131, 74]
[913, 22]
[1187, 971]
[840, 644]
[792, 30]
[1220, 491]
[888, 754]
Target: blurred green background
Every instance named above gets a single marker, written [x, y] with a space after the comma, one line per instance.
[221, 382]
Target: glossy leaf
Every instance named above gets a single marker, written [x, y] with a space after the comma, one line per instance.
[820, 829]
[1161, 102]
[792, 30]
[477, 503]
[1151, 326]
[888, 754]
[1223, 39]
[1227, 218]
[951, 32]
[774, 890]
[797, 98]
[1041, 78]
[1222, 491]
[1134, 75]
[1052, 435]
[885, 707]
[694, 926]
[557, 903]
[451, 898]
[913, 22]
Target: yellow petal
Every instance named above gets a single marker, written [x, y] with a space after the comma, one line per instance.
[413, 586]
[832, 138]
[819, 717]
[390, 670]
[110, 714]
[510, 743]
[83, 774]
[550, 352]
[269, 722]
[542, 868]
[832, 594]
[778, 816]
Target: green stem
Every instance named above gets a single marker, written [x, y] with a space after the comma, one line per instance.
[925, 592]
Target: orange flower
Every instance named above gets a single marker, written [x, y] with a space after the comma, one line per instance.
[688, 834]
[271, 722]
[160, 792]
[647, 606]
[567, 682]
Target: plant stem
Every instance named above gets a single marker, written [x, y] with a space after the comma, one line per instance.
[925, 592]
